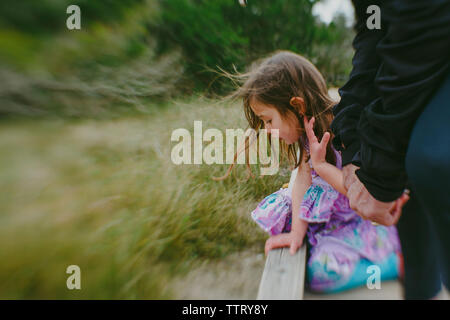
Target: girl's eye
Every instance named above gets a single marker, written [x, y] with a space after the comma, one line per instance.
[269, 121]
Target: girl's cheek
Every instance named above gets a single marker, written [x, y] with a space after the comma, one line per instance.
[286, 136]
[290, 134]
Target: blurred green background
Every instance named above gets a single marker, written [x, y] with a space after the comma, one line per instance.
[85, 123]
[133, 51]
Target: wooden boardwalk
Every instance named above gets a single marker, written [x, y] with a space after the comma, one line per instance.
[284, 279]
[284, 275]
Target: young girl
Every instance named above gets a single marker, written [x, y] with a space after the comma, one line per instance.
[283, 92]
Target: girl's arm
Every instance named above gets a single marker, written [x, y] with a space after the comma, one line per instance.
[332, 175]
[317, 150]
[301, 184]
[294, 239]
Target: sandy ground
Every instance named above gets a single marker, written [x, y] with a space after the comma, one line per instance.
[235, 278]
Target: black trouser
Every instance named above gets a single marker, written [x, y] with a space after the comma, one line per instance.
[424, 227]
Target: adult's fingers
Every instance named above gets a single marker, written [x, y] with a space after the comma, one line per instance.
[404, 198]
[385, 216]
[397, 212]
[353, 194]
[390, 216]
[386, 219]
[349, 175]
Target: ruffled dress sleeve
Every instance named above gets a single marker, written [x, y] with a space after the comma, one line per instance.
[274, 213]
[319, 200]
[318, 203]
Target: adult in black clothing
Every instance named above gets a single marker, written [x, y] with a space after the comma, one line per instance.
[392, 127]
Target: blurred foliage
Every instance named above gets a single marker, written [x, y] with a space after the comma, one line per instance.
[106, 69]
[47, 16]
[130, 52]
[222, 33]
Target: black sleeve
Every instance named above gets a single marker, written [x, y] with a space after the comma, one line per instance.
[415, 55]
[360, 89]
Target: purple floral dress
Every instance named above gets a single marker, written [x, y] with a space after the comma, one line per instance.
[339, 240]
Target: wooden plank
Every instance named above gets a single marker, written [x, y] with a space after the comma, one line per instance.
[284, 275]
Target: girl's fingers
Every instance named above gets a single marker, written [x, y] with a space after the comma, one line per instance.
[309, 125]
[325, 139]
[278, 241]
[294, 248]
[309, 129]
[267, 247]
[306, 124]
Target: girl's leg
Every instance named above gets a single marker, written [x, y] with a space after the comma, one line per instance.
[327, 273]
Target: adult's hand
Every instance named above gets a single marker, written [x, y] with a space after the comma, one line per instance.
[365, 205]
[349, 175]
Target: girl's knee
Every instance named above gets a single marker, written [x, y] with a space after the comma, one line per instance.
[321, 277]
[324, 277]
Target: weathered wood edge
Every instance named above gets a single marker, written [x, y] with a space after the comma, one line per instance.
[284, 275]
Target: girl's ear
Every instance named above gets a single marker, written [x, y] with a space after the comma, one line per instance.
[298, 103]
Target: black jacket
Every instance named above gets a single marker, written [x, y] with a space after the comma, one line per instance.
[396, 70]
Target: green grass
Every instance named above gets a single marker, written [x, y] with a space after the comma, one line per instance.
[106, 70]
[104, 195]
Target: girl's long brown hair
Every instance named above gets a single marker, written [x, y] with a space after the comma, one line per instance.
[274, 80]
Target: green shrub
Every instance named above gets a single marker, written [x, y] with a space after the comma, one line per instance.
[222, 33]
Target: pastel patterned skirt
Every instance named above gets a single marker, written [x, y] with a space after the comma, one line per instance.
[342, 247]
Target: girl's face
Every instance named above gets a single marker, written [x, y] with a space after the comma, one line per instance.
[273, 120]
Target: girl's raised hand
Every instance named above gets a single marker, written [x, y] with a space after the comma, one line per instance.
[317, 150]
